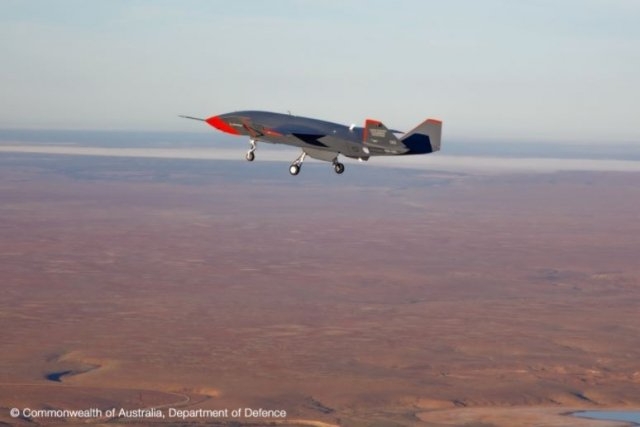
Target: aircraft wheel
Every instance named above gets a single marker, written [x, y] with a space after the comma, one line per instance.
[294, 169]
[338, 167]
[250, 156]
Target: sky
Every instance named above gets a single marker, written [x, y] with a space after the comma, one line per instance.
[562, 70]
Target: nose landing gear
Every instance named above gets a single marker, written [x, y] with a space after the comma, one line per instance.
[251, 153]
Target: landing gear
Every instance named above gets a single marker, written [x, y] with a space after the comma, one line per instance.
[250, 154]
[294, 169]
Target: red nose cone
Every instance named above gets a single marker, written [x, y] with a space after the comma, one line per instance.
[220, 124]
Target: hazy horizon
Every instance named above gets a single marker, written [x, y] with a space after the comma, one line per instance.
[456, 157]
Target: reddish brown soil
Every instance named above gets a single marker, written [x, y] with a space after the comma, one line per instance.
[338, 301]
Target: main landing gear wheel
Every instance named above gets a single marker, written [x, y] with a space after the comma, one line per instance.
[338, 167]
[294, 169]
[250, 156]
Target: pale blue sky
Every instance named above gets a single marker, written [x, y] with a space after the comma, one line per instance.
[565, 70]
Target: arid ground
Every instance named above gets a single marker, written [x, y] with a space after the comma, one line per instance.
[384, 297]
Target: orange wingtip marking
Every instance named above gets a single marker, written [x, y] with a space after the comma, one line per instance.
[434, 121]
[373, 122]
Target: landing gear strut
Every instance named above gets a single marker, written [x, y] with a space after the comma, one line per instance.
[250, 154]
[294, 169]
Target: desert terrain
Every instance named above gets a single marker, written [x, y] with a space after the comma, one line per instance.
[386, 297]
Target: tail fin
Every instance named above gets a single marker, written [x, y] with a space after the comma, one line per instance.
[376, 135]
[425, 138]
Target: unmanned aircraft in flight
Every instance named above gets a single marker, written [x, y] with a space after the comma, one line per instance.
[324, 140]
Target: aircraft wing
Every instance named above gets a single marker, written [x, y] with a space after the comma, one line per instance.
[288, 133]
[309, 137]
[301, 132]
